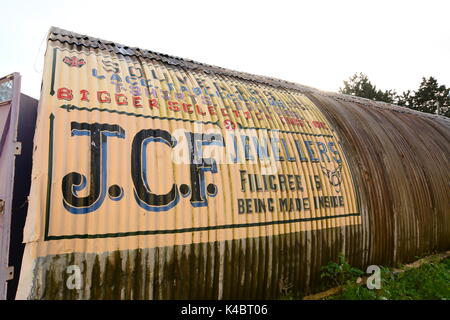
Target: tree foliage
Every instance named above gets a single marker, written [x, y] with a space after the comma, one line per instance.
[430, 97]
[359, 85]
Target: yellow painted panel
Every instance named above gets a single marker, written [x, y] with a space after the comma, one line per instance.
[153, 155]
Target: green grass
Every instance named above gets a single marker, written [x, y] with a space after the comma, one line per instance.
[430, 281]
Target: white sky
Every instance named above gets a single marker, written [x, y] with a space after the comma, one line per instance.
[315, 43]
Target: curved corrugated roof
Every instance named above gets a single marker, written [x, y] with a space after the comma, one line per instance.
[61, 35]
[371, 179]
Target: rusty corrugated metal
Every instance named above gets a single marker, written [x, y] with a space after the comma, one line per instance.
[119, 192]
[408, 154]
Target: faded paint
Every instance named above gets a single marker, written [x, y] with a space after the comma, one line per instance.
[118, 191]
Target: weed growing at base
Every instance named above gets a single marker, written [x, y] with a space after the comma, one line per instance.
[428, 282]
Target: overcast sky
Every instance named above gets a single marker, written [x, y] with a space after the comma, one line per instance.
[315, 43]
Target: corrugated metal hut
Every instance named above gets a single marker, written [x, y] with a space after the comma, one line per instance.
[156, 177]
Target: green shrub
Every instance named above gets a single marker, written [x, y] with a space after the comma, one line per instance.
[428, 282]
[339, 273]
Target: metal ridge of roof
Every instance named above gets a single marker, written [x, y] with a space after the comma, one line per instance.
[61, 35]
[88, 41]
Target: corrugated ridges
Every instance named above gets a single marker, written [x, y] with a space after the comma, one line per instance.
[61, 35]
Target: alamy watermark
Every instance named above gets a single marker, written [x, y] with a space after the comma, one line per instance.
[373, 281]
[75, 277]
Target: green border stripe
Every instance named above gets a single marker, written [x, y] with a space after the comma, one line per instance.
[196, 229]
[70, 107]
[50, 176]
[286, 131]
[52, 86]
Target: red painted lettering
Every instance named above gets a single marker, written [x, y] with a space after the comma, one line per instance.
[65, 94]
[103, 97]
[121, 99]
